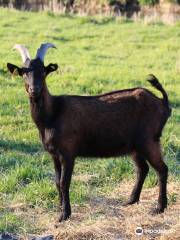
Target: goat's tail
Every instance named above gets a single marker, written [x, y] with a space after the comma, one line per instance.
[155, 83]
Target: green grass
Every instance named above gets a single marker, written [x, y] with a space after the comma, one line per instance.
[95, 55]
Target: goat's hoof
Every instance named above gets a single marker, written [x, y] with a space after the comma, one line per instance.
[130, 202]
[156, 211]
[64, 217]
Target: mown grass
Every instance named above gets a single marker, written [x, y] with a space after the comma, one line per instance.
[95, 55]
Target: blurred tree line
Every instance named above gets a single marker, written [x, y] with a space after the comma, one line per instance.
[36, 4]
[69, 4]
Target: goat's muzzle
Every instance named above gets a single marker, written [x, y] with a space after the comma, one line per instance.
[34, 91]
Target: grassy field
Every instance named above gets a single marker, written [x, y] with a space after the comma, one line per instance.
[95, 55]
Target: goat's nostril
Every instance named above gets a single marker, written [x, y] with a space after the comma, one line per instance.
[31, 90]
[34, 89]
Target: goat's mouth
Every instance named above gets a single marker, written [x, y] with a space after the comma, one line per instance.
[34, 94]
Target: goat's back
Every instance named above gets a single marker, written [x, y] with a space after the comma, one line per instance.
[110, 124]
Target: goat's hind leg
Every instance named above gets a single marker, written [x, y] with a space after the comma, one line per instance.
[155, 159]
[142, 170]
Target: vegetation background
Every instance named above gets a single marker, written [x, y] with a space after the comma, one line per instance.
[41, 4]
[95, 55]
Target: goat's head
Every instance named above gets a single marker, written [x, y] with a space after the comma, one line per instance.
[33, 71]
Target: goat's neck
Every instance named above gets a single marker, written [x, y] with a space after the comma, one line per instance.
[42, 108]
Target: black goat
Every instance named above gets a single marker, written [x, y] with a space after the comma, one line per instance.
[122, 122]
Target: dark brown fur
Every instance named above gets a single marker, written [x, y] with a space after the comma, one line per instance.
[113, 124]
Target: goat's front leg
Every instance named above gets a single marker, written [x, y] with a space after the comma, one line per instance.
[67, 165]
[57, 167]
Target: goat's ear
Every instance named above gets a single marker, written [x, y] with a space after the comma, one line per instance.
[51, 68]
[14, 69]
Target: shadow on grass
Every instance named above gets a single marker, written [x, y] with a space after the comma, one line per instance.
[20, 146]
[100, 206]
[3, 72]
[107, 20]
[62, 15]
[64, 39]
[102, 21]
[61, 39]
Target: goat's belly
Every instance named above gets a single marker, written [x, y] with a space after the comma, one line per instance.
[105, 148]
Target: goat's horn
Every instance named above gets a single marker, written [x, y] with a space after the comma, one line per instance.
[41, 52]
[23, 51]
